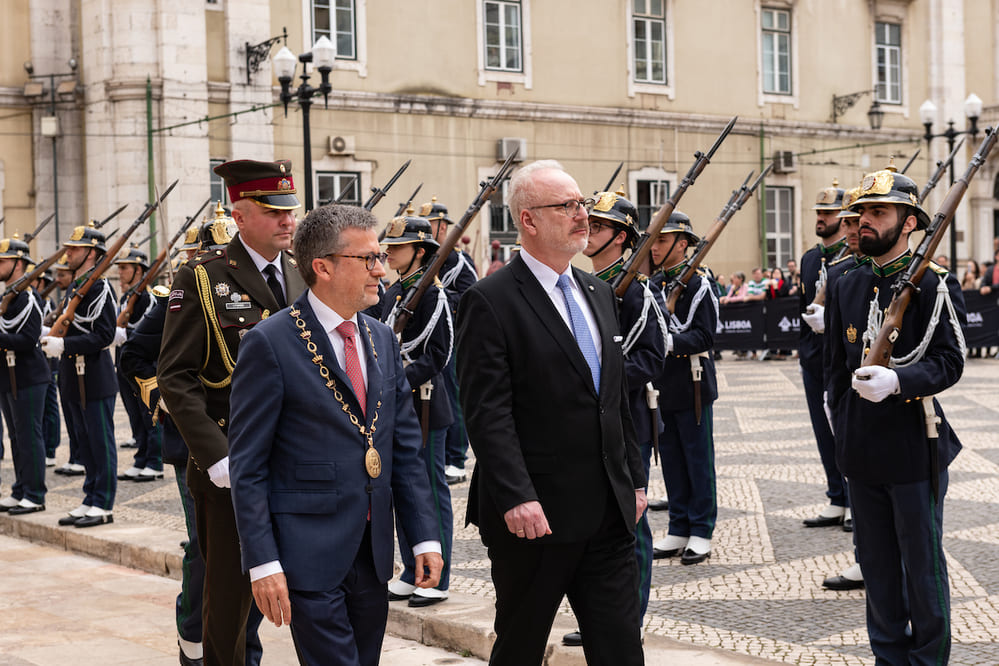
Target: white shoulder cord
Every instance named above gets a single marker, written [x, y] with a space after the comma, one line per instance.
[14, 325]
[648, 303]
[95, 310]
[424, 337]
[449, 278]
[704, 289]
[875, 319]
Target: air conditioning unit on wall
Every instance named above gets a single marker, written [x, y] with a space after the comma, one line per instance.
[785, 162]
[341, 145]
[506, 145]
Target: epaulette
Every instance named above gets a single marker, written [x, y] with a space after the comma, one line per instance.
[937, 268]
[841, 259]
[702, 271]
[641, 277]
[204, 257]
[159, 291]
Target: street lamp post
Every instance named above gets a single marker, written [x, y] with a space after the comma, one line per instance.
[322, 56]
[927, 114]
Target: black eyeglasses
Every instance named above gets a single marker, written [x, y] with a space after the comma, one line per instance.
[369, 258]
[571, 207]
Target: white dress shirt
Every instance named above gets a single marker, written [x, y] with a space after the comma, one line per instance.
[261, 264]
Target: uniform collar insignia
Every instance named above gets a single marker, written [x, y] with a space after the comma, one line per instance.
[893, 266]
[611, 271]
[409, 281]
[834, 248]
[676, 270]
[861, 260]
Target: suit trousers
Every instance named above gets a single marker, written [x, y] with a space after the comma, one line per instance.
[24, 423]
[687, 451]
[900, 549]
[598, 575]
[343, 626]
[643, 545]
[50, 422]
[97, 452]
[192, 567]
[433, 457]
[835, 483]
[148, 437]
[227, 599]
[457, 437]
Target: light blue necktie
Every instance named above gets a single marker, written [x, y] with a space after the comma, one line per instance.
[580, 330]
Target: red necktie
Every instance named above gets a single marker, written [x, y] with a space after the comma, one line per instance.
[346, 331]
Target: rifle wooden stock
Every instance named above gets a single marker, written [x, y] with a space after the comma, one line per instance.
[638, 257]
[25, 281]
[61, 325]
[908, 284]
[735, 202]
[407, 305]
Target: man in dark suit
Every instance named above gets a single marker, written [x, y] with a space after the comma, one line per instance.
[214, 300]
[324, 440]
[559, 483]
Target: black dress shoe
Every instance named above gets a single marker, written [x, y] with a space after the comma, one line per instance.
[420, 601]
[187, 661]
[848, 525]
[74, 472]
[5, 509]
[20, 510]
[69, 520]
[573, 639]
[658, 554]
[91, 521]
[127, 477]
[842, 583]
[659, 505]
[690, 557]
[823, 521]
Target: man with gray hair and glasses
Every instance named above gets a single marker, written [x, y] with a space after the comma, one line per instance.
[559, 482]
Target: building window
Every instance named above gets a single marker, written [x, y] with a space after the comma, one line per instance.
[888, 51]
[780, 223]
[649, 197]
[216, 184]
[331, 184]
[649, 25]
[776, 39]
[501, 225]
[337, 20]
[503, 43]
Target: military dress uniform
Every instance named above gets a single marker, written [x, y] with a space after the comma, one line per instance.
[51, 421]
[456, 275]
[426, 345]
[687, 390]
[814, 265]
[215, 299]
[23, 382]
[73, 466]
[897, 470]
[147, 464]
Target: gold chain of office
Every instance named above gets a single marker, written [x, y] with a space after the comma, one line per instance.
[372, 461]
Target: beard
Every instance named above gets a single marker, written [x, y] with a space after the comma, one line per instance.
[881, 244]
[830, 229]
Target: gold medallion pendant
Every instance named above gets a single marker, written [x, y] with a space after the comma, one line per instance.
[373, 463]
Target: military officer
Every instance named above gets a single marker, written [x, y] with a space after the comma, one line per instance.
[457, 274]
[426, 345]
[814, 265]
[22, 384]
[614, 230]
[892, 440]
[215, 298]
[148, 462]
[687, 389]
[87, 379]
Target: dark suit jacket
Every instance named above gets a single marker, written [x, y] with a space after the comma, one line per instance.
[539, 429]
[299, 485]
[201, 336]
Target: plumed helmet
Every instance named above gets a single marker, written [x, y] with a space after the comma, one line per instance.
[410, 228]
[133, 255]
[87, 236]
[433, 210]
[829, 198]
[616, 209]
[14, 248]
[889, 186]
[680, 223]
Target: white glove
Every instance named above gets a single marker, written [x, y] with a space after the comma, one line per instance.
[53, 346]
[120, 334]
[875, 383]
[219, 473]
[45, 331]
[814, 316]
[669, 343]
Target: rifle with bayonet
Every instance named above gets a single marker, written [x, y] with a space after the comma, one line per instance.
[380, 192]
[406, 306]
[25, 281]
[131, 296]
[61, 325]
[403, 207]
[637, 259]
[610, 183]
[911, 160]
[34, 234]
[98, 225]
[941, 167]
[345, 191]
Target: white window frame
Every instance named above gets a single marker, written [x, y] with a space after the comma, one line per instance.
[778, 98]
[889, 11]
[214, 179]
[651, 174]
[885, 50]
[360, 63]
[341, 178]
[524, 77]
[636, 87]
[341, 164]
[783, 237]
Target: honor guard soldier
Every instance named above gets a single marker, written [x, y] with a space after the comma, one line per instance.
[613, 230]
[147, 436]
[214, 300]
[687, 389]
[426, 347]
[457, 274]
[22, 384]
[63, 280]
[87, 379]
[814, 266]
[892, 440]
[51, 421]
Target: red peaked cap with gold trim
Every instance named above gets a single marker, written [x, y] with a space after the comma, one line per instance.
[268, 183]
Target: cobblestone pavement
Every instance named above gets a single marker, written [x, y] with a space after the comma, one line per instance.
[760, 592]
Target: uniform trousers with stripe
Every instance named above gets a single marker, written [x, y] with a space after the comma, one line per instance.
[24, 424]
[93, 427]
